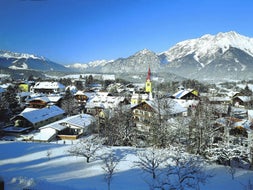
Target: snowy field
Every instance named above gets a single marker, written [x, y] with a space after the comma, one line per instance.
[26, 165]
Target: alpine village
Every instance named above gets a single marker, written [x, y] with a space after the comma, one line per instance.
[211, 122]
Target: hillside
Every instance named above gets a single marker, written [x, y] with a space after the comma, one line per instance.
[26, 165]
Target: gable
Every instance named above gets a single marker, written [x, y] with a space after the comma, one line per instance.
[144, 106]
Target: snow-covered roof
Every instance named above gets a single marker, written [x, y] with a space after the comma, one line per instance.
[245, 98]
[48, 85]
[79, 92]
[5, 86]
[37, 115]
[104, 101]
[42, 98]
[56, 125]
[167, 106]
[219, 99]
[182, 93]
[54, 98]
[44, 135]
[80, 121]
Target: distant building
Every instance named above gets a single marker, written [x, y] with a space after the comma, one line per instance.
[48, 87]
[104, 100]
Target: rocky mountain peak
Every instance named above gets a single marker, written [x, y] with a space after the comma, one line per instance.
[207, 47]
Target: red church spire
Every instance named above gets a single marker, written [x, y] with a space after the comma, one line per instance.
[149, 75]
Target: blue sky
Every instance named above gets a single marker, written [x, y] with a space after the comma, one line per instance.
[70, 31]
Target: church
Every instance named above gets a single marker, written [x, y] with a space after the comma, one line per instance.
[147, 94]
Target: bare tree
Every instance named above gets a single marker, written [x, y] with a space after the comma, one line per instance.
[185, 172]
[159, 126]
[201, 128]
[150, 162]
[110, 162]
[86, 147]
[119, 128]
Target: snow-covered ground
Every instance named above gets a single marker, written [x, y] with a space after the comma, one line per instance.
[27, 165]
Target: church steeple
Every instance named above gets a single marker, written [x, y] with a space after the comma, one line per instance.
[148, 82]
[149, 75]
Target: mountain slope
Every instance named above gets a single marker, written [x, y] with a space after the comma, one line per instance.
[28, 62]
[222, 56]
[208, 47]
[226, 55]
[137, 63]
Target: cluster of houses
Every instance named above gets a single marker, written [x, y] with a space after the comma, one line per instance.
[43, 119]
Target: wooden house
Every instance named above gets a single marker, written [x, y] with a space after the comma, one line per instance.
[38, 102]
[242, 101]
[187, 98]
[81, 97]
[145, 112]
[102, 101]
[32, 118]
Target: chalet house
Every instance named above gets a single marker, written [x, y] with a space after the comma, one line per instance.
[41, 100]
[48, 87]
[104, 100]
[69, 128]
[38, 102]
[187, 98]
[188, 94]
[34, 118]
[138, 98]
[242, 101]
[146, 111]
[81, 97]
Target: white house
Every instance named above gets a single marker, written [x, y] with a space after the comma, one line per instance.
[68, 128]
[47, 87]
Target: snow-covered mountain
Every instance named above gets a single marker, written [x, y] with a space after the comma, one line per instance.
[206, 48]
[24, 61]
[137, 63]
[226, 55]
[91, 65]
[208, 57]
[212, 56]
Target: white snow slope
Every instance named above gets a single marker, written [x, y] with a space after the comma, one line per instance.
[26, 165]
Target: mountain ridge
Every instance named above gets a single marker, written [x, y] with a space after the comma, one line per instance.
[24, 61]
[217, 56]
[189, 58]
